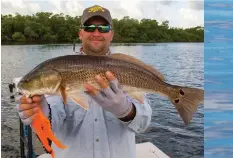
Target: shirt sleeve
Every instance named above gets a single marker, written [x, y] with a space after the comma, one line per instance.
[143, 115]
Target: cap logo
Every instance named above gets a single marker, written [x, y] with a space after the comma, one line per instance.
[95, 9]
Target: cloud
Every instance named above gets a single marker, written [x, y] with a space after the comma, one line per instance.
[218, 151]
[190, 18]
[221, 5]
[116, 11]
[138, 9]
[166, 2]
[187, 14]
[224, 122]
[218, 133]
[212, 81]
[216, 59]
[219, 101]
[19, 6]
[134, 10]
[13, 4]
[197, 5]
[223, 39]
[72, 8]
[34, 7]
[150, 9]
[220, 24]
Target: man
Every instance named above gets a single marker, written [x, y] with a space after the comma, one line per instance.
[107, 129]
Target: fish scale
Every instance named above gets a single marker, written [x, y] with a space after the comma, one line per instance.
[83, 73]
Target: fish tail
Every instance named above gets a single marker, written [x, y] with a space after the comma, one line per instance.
[186, 101]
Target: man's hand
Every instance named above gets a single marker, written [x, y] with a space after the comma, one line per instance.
[28, 108]
[112, 98]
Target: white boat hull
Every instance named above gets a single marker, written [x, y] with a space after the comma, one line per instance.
[143, 150]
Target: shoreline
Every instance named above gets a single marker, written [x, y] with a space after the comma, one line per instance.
[116, 43]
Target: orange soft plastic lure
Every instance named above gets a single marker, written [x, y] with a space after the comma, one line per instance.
[42, 127]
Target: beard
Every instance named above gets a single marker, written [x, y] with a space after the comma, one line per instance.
[96, 48]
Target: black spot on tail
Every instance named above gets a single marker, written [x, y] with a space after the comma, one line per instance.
[177, 100]
[181, 92]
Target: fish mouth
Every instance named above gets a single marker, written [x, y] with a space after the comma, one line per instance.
[21, 89]
[24, 92]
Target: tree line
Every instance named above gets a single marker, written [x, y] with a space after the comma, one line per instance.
[46, 27]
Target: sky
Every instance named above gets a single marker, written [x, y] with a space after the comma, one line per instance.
[181, 13]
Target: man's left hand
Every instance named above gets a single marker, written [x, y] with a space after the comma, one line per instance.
[112, 97]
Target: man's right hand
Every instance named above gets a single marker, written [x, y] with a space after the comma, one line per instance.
[28, 108]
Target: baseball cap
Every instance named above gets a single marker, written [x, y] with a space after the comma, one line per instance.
[96, 10]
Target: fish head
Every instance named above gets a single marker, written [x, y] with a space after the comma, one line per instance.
[40, 82]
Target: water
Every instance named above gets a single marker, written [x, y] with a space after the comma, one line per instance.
[182, 63]
[218, 79]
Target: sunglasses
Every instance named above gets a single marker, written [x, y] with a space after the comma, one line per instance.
[101, 28]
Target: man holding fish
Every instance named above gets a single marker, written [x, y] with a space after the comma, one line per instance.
[103, 125]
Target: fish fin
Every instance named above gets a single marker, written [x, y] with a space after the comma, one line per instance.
[187, 101]
[79, 99]
[63, 94]
[52, 79]
[139, 96]
[136, 61]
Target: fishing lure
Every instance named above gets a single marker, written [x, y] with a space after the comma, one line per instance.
[42, 127]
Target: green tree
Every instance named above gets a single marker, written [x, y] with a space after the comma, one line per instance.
[48, 27]
[18, 36]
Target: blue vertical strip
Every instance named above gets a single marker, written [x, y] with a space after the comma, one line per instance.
[218, 79]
